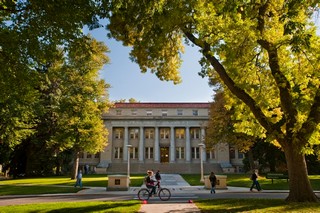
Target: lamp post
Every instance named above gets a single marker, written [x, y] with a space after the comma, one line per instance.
[128, 169]
[201, 145]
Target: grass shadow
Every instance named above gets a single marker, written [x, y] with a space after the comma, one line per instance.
[254, 205]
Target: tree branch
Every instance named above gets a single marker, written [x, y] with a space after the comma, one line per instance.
[283, 84]
[237, 91]
[313, 119]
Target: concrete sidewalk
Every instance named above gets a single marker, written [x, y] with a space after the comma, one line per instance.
[169, 207]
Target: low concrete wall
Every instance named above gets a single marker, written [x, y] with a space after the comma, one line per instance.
[118, 183]
[221, 182]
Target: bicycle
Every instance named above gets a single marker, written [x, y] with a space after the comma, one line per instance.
[163, 193]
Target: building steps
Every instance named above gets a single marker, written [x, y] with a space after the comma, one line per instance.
[170, 168]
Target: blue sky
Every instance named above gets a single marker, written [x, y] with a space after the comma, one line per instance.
[127, 81]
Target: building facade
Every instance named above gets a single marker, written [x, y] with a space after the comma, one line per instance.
[164, 136]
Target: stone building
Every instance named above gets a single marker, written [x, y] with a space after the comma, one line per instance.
[164, 136]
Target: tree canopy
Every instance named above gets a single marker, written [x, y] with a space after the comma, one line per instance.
[52, 97]
[264, 53]
[31, 34]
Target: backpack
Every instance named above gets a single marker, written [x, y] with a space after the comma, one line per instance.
[147, 179]
[253, 176]
[158, 176]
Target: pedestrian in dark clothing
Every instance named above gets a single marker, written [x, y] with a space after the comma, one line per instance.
[254, 178]
[213, 181]
[158, 178]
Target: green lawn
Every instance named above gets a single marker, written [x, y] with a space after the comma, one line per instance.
[70, 207]
[255, 205]
[63, 184]
[212, 205]
[35, 189]
[243, 180]
[56, 184]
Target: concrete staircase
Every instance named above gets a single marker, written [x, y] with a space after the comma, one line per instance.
[169, 168]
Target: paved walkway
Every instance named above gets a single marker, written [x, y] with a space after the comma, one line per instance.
[175, 183]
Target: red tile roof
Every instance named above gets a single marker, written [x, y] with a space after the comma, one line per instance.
[162, 105]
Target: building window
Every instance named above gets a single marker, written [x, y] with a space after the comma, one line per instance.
[164, 133]
[97, 155]
[195, 112]
[232, 153]
[240, 155]
[134, 112]
[180, 152]
[195, 151]
[118, 112]
[148, 153]
[180, 133]
[134, 152]
[211, 153]
[118, 153]
[89, 155]
[149, 112]
[134, 133]
[195, 133]
[180, 112]
[118, 133]
[149, 133]
[164, 112]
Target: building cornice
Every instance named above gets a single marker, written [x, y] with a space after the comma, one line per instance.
[157, 105]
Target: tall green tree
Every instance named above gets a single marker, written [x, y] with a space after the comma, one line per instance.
[30, 32]
[68, 114]
[265, 53]
[220, 126]
[83, 98]
[32, 35]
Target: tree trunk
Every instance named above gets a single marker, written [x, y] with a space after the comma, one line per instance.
[251, 160]
[74, 172]
[299, 183]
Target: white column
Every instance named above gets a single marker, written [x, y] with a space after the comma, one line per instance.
[141, 144]
[201, 147]
[172, 146]
[156, 148]
[203, 136]
[187, 150]
[128, 164]
[125, 143]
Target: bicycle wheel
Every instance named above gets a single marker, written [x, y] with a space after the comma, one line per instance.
[143, 194]
[164, 194]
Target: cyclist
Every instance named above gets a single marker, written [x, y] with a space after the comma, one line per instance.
[150, 182]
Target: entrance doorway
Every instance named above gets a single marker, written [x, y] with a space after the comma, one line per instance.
[164, 153]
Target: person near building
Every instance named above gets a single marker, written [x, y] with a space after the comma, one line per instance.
[213, 181]
[254, 178]
[79, 180]
[150, 181]
[158, 178]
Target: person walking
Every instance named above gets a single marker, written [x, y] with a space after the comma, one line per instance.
[254, 178]
[79, 180]
[158, 178]
[213, 181]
